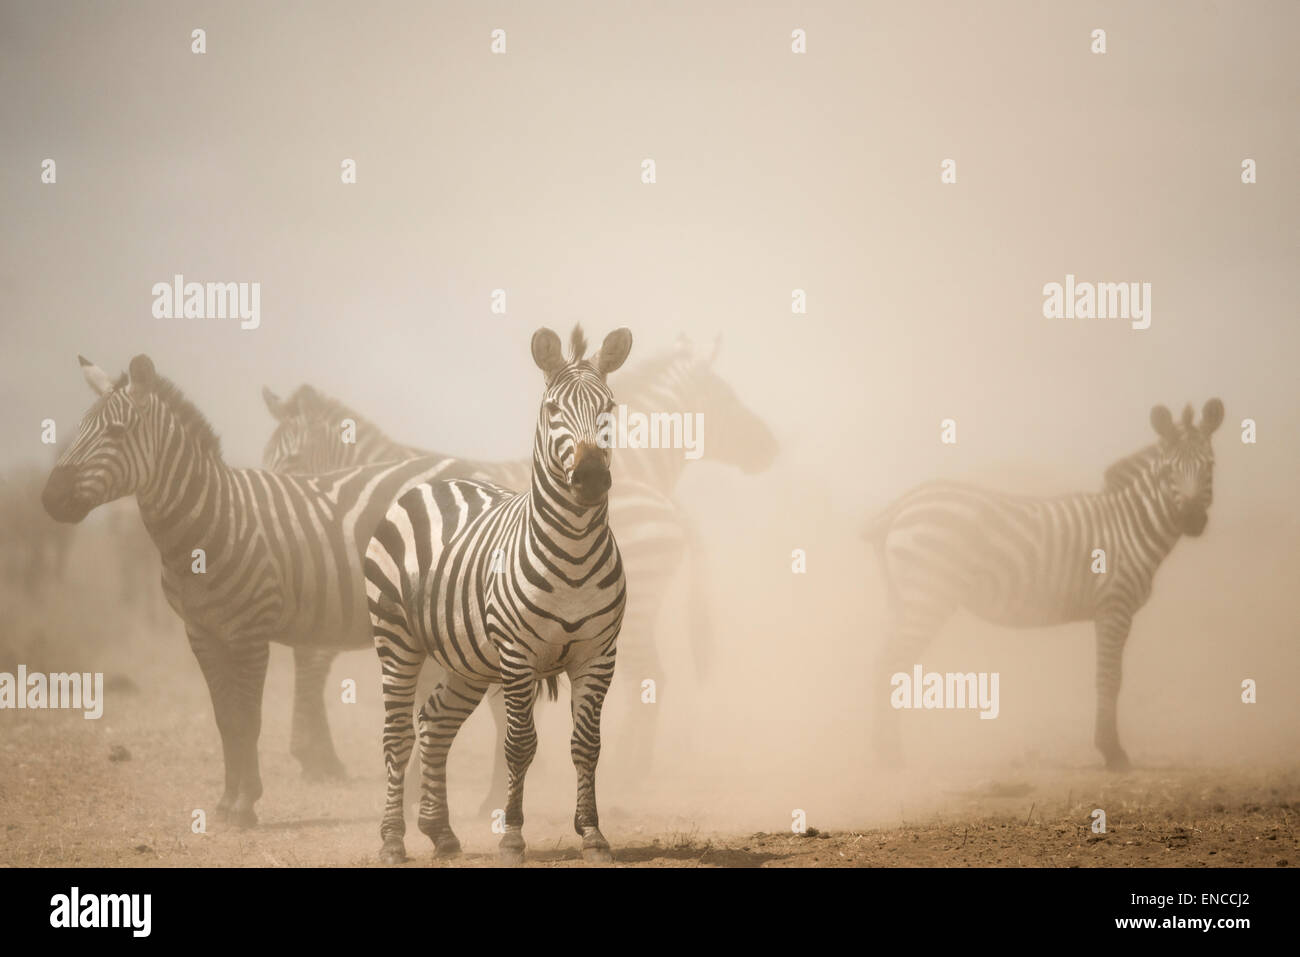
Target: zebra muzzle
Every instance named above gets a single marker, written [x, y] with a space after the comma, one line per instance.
[59, 496]
[1194, 520]
[591, 480]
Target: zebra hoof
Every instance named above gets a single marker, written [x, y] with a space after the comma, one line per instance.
[597, 855]
[392, 853]
[595, 849]
[1118, 762]
[447, 847]
[511, 850]
[243, 817]
[510, 856]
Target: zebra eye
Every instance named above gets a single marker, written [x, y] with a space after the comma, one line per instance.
[552, 407]
[115, 430]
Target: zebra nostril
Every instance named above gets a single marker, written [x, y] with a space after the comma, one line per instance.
[592, 477]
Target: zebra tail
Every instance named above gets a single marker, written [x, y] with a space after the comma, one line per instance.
[553, 688]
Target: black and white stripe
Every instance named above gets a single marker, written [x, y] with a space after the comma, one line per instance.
[655, 534]
[282, 554]
[508, 588]
[1028, 562]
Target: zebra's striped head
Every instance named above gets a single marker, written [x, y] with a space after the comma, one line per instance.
[576, 395]
[306, 438]
[136, 419]
[1185, 471]
[738, 437]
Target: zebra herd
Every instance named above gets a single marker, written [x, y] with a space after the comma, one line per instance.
[508, 575]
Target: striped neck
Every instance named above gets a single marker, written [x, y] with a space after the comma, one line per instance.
[372, 444]
[188, 491]
[1141, 499]
[563, 529]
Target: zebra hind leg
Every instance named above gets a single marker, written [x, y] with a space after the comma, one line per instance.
[310, 740]
[589, 689]
[911, 628]
[452, 701]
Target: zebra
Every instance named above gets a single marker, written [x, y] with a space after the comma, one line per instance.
[248, 556]
[655, 533]
[1028, 562]
[34, 549]
[502, 587]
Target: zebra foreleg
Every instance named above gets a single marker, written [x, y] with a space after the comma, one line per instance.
[589, 689]
[235, 681]
[214, 663]
[310, 740]
[520, 747]
[401, 664]
[1112, 633]
[451, 703]
[496, 795]
[249, 664]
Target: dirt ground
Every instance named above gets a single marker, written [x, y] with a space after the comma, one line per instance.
[68, 804]
[70, 796]
[723, 791]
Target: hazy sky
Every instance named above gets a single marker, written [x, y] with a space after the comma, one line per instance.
[775, 171]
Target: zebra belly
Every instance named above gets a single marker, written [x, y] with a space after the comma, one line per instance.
[1024, 616]
[1025, 605]
[469, 659]
[548, 649]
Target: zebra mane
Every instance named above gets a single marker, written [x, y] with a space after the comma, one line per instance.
[1123, 473]
[307, 400]
[315, 406]
[187, 414]
[577, 344]
[645, 375]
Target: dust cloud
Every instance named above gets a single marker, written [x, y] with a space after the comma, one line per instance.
[775, 173]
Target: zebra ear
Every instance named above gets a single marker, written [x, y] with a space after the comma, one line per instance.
[547, 352]
[96, 377]
[613, 351]
[1211, 416]
[273, 402]
[140, 375]
[1162, 421]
